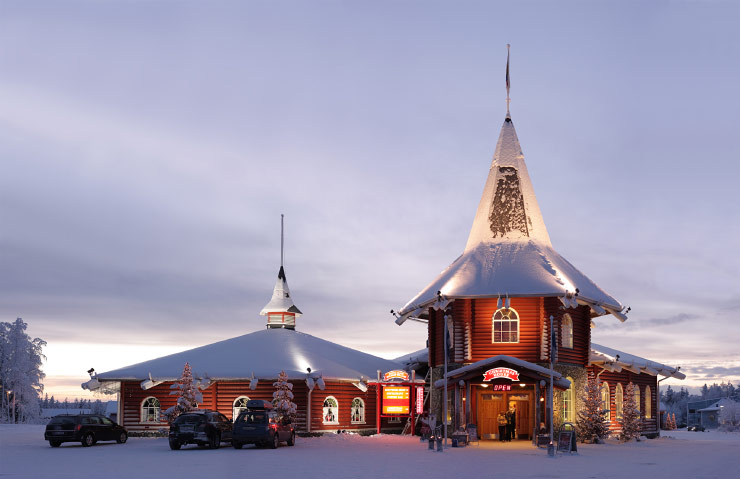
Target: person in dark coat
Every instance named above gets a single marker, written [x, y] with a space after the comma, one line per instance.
[502, 422]
[511, 423]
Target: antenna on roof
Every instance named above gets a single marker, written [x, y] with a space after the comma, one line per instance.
[282, 240]
[508, 81]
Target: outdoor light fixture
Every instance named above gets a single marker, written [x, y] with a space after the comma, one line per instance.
[320, 383]
[253, 382]
[310, 383]
[499, 303]
[149, 383]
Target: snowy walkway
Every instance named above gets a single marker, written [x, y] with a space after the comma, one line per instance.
[24, 454]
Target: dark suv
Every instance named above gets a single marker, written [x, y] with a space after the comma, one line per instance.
[261, 425]
[202, 427]
[85, 428]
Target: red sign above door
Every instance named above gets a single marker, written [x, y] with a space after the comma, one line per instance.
[501, 373]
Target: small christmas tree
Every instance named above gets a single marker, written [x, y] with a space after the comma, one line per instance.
[188, 395]
[282, 397]
[631, 421]
[591, 422]
[673, 421]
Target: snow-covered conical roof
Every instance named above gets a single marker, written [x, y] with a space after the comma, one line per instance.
[508, 252]
[262, 354]
[281, 301]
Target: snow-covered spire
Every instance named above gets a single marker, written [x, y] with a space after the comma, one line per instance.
[508, 209]
[280, 311]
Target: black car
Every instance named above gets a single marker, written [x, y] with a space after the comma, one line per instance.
[85, 428]
[261, 425]
[202, 427]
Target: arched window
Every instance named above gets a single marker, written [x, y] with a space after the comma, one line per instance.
[358, 411]
[150, 410]
[331, 411]
[619, 401]
[637, 397]
[569, 413]
[566, 331]
[606, 401]
[240, 404]
[648, 403]
[505, 326]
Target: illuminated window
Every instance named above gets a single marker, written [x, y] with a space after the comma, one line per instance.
[637, 397]
[240, 404]
[605, 401]
[505, 326]
[331, 411]
[358, 411]
[150, 410]
[569, 413]
[648, 403]
[619, 401]
[566, 331]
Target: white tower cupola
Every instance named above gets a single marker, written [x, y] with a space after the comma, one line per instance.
[280, 311]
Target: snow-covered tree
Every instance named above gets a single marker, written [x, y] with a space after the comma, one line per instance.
[591, 422]
[283, 396]
[729, 414]
[631, 421]
[20, 373]
[187, 394]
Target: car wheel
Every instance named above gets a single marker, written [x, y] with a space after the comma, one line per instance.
[236, 444]
[215, 441]
[55, 443]
[275, 441]
[88, 439]
[174, 445]
[291, 439]
[122, 438]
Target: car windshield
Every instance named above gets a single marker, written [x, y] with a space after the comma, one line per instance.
[254, 417]
[63, 420]
[189, 419]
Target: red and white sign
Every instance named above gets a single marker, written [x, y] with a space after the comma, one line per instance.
[420, 400]
[396, 399]
[502, 387]
[501, 373]
[396, 374]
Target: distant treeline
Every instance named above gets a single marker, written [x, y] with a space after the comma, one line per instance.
[97, 406]
[675, 401]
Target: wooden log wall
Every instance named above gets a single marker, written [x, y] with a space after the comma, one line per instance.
[530, 311]
[581, 332]
[650, 425]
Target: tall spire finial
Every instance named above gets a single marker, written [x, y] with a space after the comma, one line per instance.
[508, 82]
[282, 240]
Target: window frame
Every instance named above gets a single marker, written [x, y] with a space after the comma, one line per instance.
[619, 402]
[506, 318]
[648, 402]
[569, 402]
[606, 401]
[361, 419]
[145, 410]
[326, 409]
[637, 397]
[566, 331]
[236, 410]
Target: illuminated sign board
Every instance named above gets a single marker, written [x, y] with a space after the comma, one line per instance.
[396, 399]
[397, 374]
[501, 373]
[420, 400]
[502, 387]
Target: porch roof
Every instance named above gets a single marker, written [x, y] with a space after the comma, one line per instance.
[525, 368]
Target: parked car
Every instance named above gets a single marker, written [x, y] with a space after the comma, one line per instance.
[85, 428]
[202, 427]
[260, 424]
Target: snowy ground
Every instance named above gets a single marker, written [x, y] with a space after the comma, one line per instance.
[24, 454]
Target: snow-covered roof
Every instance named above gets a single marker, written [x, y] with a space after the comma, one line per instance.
[281, 301]
[508, 250]
[613, 360]
[263, 354]
[558, 379]
[420, 356]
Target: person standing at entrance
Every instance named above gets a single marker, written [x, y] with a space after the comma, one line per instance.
[511, 423]
[502, 422]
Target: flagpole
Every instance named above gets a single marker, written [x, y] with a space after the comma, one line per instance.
[508, 81]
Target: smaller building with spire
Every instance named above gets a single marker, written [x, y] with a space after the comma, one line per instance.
[280, 311]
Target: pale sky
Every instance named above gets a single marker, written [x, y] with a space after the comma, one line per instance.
[148, 149]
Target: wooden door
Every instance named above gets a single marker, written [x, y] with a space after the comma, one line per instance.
[489, 407]
[523, 403]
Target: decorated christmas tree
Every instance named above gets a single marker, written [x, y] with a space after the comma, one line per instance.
[187, 394]
[591, 422]
[283, 395]
[631, 421]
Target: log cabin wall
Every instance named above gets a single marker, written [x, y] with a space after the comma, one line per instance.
[220, 396]
[530, 311]
[436, 337]
[581, 332]
[650, 425]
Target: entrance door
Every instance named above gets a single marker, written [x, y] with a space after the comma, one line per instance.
[523, 415]
[489, 407]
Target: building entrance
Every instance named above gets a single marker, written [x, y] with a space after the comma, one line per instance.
[493, 403]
